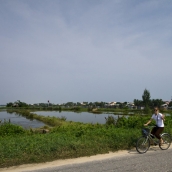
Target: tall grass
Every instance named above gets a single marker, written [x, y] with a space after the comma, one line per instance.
[68, 141]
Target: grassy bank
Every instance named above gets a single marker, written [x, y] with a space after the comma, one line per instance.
[68, 139]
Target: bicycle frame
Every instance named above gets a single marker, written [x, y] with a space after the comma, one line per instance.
[153, 139]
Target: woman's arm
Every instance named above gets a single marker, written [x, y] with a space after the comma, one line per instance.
[163, 117]
[148, 122]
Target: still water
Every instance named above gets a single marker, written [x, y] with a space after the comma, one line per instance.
[84, 117]
[19, 120]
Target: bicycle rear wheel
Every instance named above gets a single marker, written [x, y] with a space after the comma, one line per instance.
[143, 144]
[166, 141]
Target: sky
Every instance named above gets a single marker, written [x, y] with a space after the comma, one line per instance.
[85, 50]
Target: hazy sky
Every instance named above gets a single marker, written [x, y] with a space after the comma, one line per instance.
[85, 50]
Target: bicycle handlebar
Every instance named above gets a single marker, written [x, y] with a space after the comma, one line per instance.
[150, 126]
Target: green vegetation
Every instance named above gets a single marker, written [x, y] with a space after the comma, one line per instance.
[147, 102]
[68, 139]
[18, 103]
[8, 129]
[146, 97]
[64, 142]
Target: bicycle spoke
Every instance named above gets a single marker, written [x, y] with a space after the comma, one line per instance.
[142, 144]
[166, 141]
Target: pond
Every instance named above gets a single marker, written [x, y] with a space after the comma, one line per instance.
[19, 120]
[84, 117]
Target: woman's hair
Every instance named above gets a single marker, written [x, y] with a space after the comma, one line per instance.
[156, 107]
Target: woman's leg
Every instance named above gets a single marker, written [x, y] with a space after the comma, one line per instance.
[158, 132]
[153, 133]
[154, 130]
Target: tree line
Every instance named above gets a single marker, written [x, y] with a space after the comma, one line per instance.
[148, 102]
[145, 102]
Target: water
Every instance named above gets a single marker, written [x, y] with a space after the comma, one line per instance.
[19, 120]
[84, 117]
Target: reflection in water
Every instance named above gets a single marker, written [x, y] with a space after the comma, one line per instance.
[17, 119]
[84, 117]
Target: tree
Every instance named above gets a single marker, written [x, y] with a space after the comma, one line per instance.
[138, 102]
[170, 104]
[146, 97]
[21, 104]
[9, 104]
[156, 102]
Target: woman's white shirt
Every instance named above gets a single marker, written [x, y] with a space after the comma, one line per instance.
[158, 119]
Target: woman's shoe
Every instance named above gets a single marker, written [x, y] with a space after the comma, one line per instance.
[161, 142]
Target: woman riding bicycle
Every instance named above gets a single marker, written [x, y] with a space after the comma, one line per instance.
[159, 118]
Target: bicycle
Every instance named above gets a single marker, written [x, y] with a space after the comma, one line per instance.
[144, 142]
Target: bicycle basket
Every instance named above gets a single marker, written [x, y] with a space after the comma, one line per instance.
[145, 131]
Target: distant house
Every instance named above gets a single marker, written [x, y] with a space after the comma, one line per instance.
[15, 105]
[164, 106]
[111, 104]
[166, 102]
[131, 106]
[140, 107]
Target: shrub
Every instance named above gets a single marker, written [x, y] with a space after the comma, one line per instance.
[8, 129]
[110, 120]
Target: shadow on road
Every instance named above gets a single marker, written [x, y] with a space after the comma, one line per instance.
[152, 148]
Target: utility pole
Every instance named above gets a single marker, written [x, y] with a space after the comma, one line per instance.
[48, 103]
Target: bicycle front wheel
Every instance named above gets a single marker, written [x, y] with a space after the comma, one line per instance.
[143, 144]
[166, 141]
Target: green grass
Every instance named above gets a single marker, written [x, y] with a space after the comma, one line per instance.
[64, 142]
